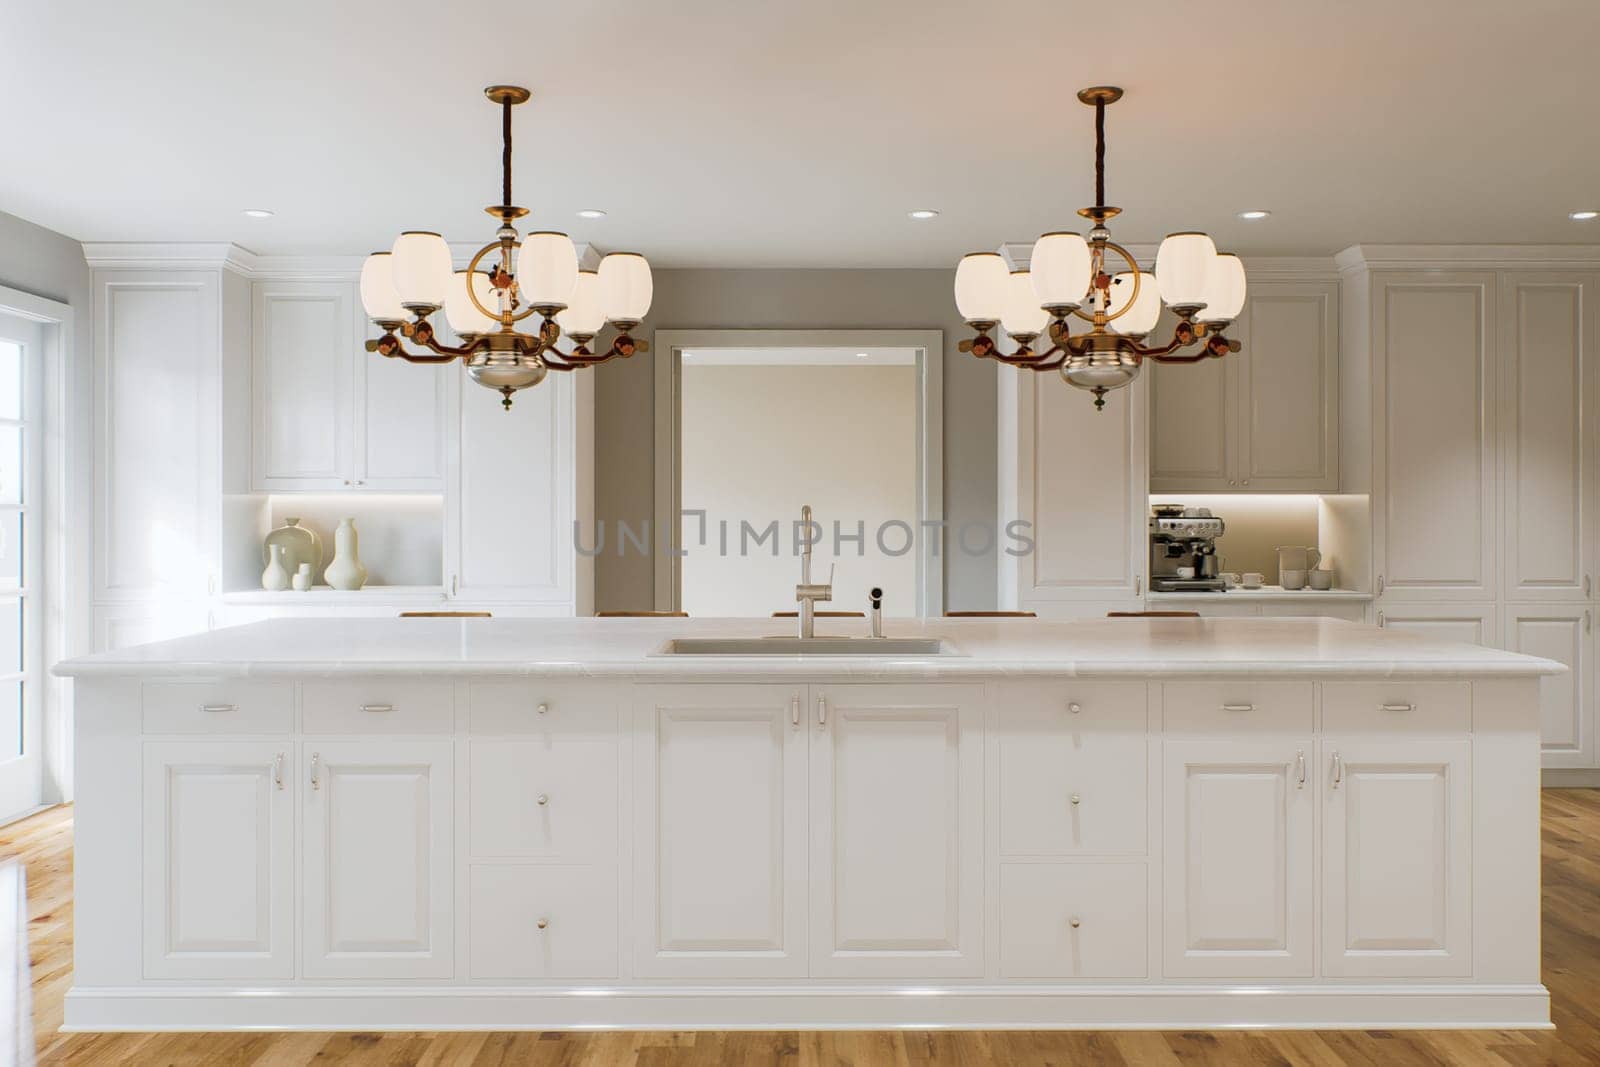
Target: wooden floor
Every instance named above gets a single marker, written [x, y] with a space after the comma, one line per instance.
[1571, 971]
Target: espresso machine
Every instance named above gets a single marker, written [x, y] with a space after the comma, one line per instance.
[1183, 550]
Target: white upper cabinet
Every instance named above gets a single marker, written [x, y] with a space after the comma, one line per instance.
[328, 414]
[1078, 477]
[1434, 484]
[1547, 419]
[1264, 419]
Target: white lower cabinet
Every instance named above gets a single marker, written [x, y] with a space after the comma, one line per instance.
[1073, 920]
[1238, 823]
[378, 859]
[1397, 858]
[219, 887]
[720, 831]
[897, 830]
[1562, 632]
[543, 921]
[883, 784]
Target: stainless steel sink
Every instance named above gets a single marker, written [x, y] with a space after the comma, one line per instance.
[807, 646]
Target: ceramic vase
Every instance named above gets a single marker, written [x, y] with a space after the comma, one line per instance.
[300, 545]
[346, 571]
[302, 578]
[276, 576]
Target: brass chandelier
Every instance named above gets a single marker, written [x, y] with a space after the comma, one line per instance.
[1068, 275]
[538, 275]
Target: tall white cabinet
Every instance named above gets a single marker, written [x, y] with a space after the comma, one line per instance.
[1481, 370]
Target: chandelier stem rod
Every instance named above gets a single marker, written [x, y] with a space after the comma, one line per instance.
[1099, 153]
[505, 153]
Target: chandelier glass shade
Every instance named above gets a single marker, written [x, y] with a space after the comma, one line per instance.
[508, 280]
[1093, 279]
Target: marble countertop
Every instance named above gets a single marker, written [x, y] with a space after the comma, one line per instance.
[628, 648]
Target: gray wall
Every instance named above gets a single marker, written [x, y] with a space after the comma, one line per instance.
[48, 264]
[794, 300]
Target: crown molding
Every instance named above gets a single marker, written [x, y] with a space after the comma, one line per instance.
[186, 255]
[223, 255]
[1459, 257]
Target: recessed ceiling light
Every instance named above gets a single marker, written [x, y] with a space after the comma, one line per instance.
[259, 212]
[591, 213]
[1254, 213]
[1583, 216]
[923, 213]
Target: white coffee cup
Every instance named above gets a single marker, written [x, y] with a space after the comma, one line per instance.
[1250, 580]
[1185, 572]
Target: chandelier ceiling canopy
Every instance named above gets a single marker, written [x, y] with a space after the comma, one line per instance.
[508, 280]
[1073, 276]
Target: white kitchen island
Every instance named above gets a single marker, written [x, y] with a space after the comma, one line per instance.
[502, 823]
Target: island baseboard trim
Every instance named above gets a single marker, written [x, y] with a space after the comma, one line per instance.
[190, 1008]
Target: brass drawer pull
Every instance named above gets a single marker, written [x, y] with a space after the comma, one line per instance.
[542, 709]
[1399, 707]
[377, 707]
[1238, 707]
[542, 799]
[542, 923]
[215, 708]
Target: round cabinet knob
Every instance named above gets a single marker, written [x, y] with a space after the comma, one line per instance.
[1075, 799]
[543, 799]
[1073, 922]
[1074, 707]
[542, 923]
[542, 708]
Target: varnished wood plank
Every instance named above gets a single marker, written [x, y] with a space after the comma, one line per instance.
[1570, 834]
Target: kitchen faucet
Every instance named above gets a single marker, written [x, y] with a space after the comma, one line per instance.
[806, 592]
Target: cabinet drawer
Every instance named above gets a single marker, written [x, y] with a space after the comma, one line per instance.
[1237, 707]
[578, 909]
[530, 708]
[1072, 767]
[553, 799]
[232, 707]
[1041, 902]
[1397, 707]
[378, 705]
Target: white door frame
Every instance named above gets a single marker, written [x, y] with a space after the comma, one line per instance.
[63, 592]
[669, 346]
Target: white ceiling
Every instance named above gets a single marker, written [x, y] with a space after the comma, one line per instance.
[735, 133]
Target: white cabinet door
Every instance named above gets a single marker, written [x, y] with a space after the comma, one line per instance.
[509, 514]
[720, 831]
[157, 442]
[400, 421]
[1237, 856]
[1562, 632]
[1473, 624]
[1434, 472]
[1081, 483]
[1397, 858]
[1547, 418]
[1194, 415]
[896, 830]
[1288, 435]
[378, 864]
[219, 885]
[306, 338]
